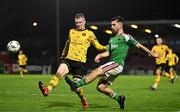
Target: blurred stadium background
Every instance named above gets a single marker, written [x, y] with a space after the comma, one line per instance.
[41, 27]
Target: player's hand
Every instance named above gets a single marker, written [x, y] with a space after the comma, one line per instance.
[62, 55]
[97, 58]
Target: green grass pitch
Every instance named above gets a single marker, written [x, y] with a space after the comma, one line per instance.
[23, 95]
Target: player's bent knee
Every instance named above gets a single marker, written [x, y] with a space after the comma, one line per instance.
[62, 70]
[60, 73]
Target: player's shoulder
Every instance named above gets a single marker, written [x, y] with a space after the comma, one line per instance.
[89, 31]
[155, 47]
[72, 30]
[126, 35]
[84, 31]
[164, 45]
[23, 55]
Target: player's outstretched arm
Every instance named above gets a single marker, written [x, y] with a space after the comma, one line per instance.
[64, 53]
[98, 46]
[101, 55]
[96, 43]
[147, 50]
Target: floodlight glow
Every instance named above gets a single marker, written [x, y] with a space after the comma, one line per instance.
[94, 27]
[156, 35]
[134, 26]
[147, 30]
[35, 23]
[108, 31]
[177, 25]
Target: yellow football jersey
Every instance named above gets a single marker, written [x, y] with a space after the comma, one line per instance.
[162, 51]
[172, 59]
[78, 43]
[22, 59]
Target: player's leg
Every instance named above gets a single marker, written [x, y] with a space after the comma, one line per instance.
[78, 70]
[62, 71]
[92, 75]
[21, 71]
[108, 69]
[24, 69]
[80, 93]
[173, 74]
[157, 78]
[103, 88]
[167, 73]
[86, 80]
[107, 79]
[174, 70]
[100, 71]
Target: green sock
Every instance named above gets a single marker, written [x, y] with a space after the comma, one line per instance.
[116, 97]
[80, 83]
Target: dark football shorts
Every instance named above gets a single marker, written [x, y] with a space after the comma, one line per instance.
[22, 66]
[161, 66]
[76, 68]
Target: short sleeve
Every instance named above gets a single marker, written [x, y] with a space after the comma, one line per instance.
[130, 40]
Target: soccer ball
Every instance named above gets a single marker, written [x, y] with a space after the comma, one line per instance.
[13, 46]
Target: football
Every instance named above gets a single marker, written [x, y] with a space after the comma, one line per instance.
[13, 46]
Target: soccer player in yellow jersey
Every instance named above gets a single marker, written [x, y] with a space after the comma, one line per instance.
[75, 55]
[172, 60]
[22, 61]
[162, 51]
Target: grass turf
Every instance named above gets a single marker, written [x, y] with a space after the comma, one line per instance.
[23, 95]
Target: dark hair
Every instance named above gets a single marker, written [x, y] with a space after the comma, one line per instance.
[118, 19]
[79, 15]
